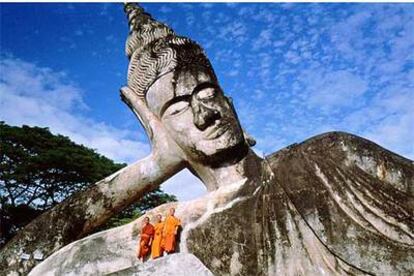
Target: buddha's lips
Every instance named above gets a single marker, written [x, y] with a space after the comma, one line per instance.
[217, 130]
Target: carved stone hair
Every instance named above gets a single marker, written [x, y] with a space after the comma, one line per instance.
[154, 50]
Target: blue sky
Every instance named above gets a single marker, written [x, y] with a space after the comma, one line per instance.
[293, 70]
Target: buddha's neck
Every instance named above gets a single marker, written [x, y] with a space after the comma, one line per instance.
[215, 177]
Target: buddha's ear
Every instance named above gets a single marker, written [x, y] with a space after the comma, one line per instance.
[139, 107]
[230, 102]
[247, 137]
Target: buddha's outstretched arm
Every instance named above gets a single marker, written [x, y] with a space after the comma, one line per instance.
[87, 210]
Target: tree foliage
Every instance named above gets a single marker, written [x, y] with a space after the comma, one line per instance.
[149, 201]
[39, 169]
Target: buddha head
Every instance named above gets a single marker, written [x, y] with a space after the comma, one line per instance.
[177, 82]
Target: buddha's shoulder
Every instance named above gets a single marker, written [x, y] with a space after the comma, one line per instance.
[340, 151]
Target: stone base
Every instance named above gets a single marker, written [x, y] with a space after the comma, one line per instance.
[175, 264]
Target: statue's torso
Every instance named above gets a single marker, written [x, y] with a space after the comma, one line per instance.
[317, 215]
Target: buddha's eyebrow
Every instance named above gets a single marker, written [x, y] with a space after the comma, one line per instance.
[204, 85]
[173, 101]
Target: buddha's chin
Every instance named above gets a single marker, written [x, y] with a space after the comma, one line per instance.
[222, 150]
[227, 140]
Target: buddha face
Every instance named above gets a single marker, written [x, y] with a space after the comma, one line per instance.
[196, 114]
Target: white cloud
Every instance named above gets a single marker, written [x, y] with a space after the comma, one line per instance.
[165, 9]
[38, 96]
[263, 40]
[185, 185]
[292, 56]
[235, 31]
[388, 119]
[331, 90]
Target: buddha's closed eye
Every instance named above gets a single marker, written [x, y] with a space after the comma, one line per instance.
[176, 108]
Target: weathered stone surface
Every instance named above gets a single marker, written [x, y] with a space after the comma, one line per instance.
[176, 264]
[98, 260]
[101, 253]
[321, 213]
[291, 222]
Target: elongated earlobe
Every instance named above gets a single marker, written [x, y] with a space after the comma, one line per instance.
[247, 137]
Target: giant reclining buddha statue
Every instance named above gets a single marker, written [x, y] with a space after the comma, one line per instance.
[336, 204]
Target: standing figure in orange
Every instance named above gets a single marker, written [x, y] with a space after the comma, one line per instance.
[156, 248]
[147, 235]
[170, 231]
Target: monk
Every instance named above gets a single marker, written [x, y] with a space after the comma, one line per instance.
[170, 231]
[156, 248]
[147, 235]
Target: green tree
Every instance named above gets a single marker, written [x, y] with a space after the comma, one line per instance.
[39, 169]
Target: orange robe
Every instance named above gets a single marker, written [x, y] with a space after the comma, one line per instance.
[156, 249]
[147, 233]
[169, 241]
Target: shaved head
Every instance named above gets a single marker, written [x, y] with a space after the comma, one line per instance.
[172, 211]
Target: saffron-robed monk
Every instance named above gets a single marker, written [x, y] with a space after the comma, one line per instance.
[170, 231]
[156, 249]
[147, 235]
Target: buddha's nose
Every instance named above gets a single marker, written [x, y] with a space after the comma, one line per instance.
[204, 116]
